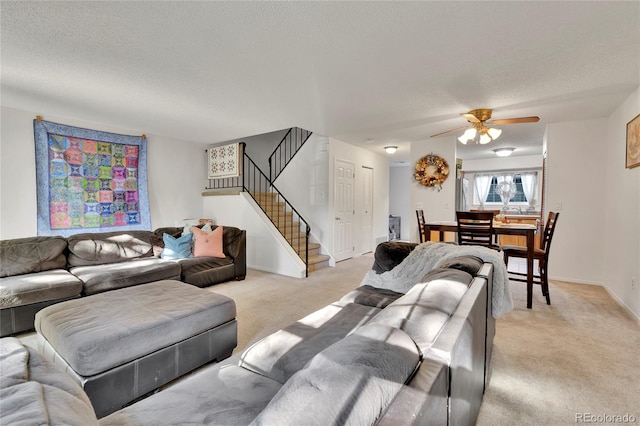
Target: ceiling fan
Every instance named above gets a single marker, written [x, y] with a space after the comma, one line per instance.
[479, 129]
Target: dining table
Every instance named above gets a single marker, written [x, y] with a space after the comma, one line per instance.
[499, 228]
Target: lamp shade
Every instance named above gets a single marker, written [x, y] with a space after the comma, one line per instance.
[470, 133]
[390, 149]
[494, 133]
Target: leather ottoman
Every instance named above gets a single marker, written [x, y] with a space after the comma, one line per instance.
[123, 344]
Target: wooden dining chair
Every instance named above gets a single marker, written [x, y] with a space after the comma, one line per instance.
[495, 212]
[475, 228]
[540, 254]
[421, 222]
[496, 239]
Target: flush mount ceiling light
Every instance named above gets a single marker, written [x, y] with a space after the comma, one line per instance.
[504, 152]
[390, 149]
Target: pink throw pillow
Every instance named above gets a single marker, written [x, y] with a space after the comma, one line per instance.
[207, 244]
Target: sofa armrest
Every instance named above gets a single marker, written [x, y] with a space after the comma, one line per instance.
[235, 246]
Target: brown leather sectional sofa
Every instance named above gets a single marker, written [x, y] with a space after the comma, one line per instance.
[39, 271]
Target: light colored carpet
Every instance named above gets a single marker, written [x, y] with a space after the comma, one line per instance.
[578, 356]
[268, 302]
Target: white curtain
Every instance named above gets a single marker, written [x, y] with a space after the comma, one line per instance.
[529, 181]
[499, 180]
[465, 194]
[482, 185]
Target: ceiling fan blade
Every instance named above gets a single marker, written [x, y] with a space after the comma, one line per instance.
[449, 131]
[470, 117]
[532, 119]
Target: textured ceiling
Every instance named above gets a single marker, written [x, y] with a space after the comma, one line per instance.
[368, 73]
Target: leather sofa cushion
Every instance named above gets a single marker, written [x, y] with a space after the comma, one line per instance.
[283, 353]
[425, 309]
[231, 238]
[390, 254]
[351, 382]
[371, 296]
[205, 277]
[27, 289]
[35, 391]
[98, 248]
[111, 276]
[216, 395]
[448, 274]
[30, 255]
[468, 264]
[94, 334]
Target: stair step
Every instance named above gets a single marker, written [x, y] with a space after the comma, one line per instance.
[263, 194]
[313, 251]
[283, 223]
[294, 242]
[318, 261]
[289, 227]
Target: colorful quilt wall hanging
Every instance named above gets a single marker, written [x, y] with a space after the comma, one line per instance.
[89, 181]
[224, 161]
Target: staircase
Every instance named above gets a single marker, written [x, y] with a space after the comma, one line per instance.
[291, 229]
[271, 201]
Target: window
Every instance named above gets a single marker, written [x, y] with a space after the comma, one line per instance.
[494, 197]
[487, 187]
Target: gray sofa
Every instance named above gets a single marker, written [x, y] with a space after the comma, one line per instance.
[376, 356]
[36, 272]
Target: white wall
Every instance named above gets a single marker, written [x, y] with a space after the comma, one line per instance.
[260, 147]
[437, 205]
[503, 163]
[597, 238]
[174, 184]
[576, 175]
[380, 165]
[267, 250]
[305, 184]
[400, 181]
[621, 249]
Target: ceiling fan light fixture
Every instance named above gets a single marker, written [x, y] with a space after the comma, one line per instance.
[470, 133]
[494, 133]
[390, 149]
[485, 138]
[504, 152]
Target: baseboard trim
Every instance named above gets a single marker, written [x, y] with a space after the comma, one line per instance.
[624, 305]
[612, 294]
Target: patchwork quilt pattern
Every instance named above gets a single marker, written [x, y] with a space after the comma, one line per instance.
[224, 161]
[88, 184]
[92, 184]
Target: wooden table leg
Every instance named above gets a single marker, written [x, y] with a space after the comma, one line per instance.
[530, 247]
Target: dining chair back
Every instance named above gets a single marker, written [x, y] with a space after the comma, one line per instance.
[496, 239]
[495, 212]
[475, 228]
[549, 229]
[421, 222]
[541, 255]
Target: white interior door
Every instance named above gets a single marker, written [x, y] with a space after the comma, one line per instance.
[343, 193]
[366, 229]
